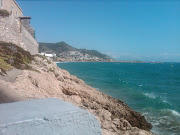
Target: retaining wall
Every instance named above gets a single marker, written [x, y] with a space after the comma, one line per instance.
[29, 42]
[10, 29]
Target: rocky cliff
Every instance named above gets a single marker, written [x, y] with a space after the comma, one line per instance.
[47, 80]
[50, 81]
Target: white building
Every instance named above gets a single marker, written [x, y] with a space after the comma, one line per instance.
[48, 54]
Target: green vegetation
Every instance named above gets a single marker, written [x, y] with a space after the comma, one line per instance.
[44, 58]
[94, 53]
[13, 56]
[41, 56]
[32, 69]
[55, 47]
[51, 70]
[4, 13]
[4, 65]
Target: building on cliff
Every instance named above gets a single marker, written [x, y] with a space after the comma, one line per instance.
[16, 28]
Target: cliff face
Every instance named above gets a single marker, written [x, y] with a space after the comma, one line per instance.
[50, 81]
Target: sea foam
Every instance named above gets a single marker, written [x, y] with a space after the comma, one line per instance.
[150, 95]
[175, 113]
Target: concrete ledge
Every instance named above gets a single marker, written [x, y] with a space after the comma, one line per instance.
[46, 117]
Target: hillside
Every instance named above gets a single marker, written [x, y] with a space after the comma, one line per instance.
[40, 77]
[13, 56]
[55, 47]
[62, 49]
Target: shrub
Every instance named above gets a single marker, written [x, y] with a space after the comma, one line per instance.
[13, 56]
[4, 65]
[43, 57]
[4, 13]
[51, 70]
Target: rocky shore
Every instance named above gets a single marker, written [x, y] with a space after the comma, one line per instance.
[47, 80]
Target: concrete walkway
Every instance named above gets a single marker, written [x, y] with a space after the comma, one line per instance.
[46, 117]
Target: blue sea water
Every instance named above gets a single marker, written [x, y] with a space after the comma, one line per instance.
[153, 89]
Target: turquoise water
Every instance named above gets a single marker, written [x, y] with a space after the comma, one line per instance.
[151, 89]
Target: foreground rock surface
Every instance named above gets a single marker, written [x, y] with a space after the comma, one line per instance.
[48, 80]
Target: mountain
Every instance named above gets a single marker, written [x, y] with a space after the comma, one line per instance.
[63, 48]
[55, 47]
[94, 53]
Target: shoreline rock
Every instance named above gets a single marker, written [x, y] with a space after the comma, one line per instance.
[48, 80]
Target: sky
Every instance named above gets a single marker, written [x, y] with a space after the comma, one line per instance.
[147, 30]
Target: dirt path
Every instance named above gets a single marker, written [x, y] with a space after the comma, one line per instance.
[11, 75]
[6, 94]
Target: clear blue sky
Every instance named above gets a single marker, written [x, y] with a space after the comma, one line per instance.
[128, 30]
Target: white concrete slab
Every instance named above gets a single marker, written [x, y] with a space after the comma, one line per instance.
[46, 117]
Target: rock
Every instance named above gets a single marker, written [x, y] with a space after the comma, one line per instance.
[69, 91]
[60, 78]
[115, 116]
[2, 73]
[76, 99]
[104, 114]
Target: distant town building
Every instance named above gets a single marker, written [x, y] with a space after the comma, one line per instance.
[12, 7]
[48, 54]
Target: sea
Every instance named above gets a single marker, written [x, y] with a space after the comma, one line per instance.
[153, 89]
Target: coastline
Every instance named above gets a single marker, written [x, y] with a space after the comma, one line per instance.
[50, 81]
[141, 86]
[114, 61]
[107, 62]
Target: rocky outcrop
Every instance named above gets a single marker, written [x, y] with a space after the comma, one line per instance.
[48, 80]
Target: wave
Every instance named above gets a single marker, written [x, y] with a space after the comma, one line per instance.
[150, 95]
[162, 99]
[164, 121]
[175, 113]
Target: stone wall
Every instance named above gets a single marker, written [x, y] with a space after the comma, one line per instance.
[29, 42]
[27, 25]
[12, 30]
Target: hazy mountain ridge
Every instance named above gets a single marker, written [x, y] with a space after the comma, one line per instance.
[62, 47]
